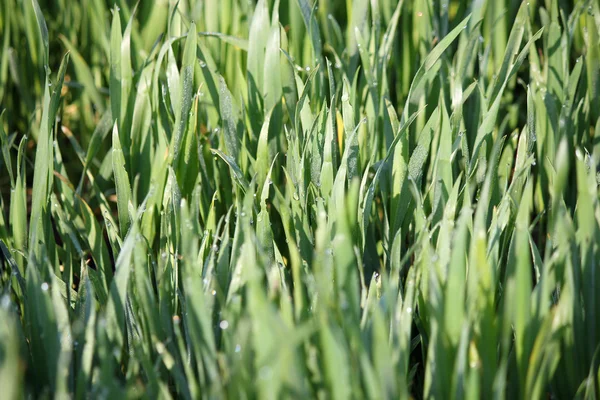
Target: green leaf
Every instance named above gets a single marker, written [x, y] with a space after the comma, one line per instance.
[122, 185]
[187, 83]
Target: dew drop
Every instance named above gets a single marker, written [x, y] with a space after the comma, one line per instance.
[561, 122]
[345, 304]
[265, 373]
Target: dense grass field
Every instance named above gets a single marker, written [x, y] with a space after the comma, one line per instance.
[300, 199]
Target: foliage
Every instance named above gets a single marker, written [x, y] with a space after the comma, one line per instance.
[299, 198]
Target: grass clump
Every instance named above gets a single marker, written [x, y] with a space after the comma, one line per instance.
[291, 199]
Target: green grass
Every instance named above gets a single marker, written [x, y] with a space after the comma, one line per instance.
[300, 199]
